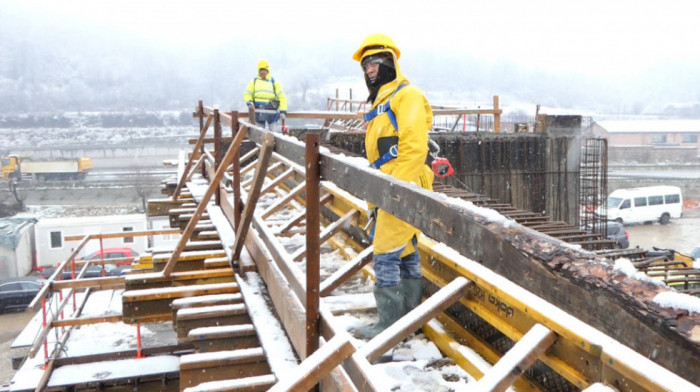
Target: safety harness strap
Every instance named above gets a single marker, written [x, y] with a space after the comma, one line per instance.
[385, 108]
[389, 155]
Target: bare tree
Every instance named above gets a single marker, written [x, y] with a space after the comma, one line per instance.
[10, 208]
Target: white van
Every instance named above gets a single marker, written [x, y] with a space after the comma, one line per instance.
[646, 204]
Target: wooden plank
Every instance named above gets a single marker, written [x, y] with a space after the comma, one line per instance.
[317, 365]
[346, 271]
[254, 194]
[224, 365]
[328, 232]
[86, 321]
[197, 148]
[517, 360]
[122, 234]
[222, 338]
[283, 201]
[178, 292]
[206, 316]
[247, 384]
[106, 283]
[409, 323]
[213, 186]
[277, 181]
[199, 277]
[287, 304]
[282, 259]
[302, 215]
[45, 289]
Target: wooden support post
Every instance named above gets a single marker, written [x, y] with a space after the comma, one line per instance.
[44, 292]
[195, 154]
[253, 195]
[251, 114]
[217, 150]
[517, 360]
[496, 115]
[313, 211]
[213, 187]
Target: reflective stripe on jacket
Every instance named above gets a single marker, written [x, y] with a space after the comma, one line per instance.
[262, 90]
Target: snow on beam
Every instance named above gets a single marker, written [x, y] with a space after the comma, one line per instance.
[578, 281]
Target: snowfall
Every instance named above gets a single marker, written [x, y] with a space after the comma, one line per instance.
[414, 365]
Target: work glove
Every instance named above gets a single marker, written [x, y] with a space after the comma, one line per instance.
[283, 115]
[249, 103]
[371, 214]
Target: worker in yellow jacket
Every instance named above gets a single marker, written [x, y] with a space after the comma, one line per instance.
[396, 144]
[267, 94]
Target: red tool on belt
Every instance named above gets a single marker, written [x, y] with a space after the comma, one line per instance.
[441, 166]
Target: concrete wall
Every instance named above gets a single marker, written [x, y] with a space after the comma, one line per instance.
[536, 172]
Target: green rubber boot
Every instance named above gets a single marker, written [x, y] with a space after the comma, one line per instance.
[390, 306]
[412, 291]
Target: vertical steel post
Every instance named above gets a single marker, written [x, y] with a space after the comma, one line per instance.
[200, 113]
[313, 207]
[217, 151]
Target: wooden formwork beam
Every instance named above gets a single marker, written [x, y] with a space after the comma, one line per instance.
[253, 195]
[419, 316]
[517, 360]
[198, 147]
[550, 268]
[312, 370]
[213, 186]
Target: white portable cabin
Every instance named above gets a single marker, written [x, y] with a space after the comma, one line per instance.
[51, 247]
[16, 247]
[644, 204]
[164, 241]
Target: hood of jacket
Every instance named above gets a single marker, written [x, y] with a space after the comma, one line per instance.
[388, 88]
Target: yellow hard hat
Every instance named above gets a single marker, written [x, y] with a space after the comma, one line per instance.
[263, 64]
[375, 43]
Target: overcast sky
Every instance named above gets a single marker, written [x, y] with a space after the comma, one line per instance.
[596, 37]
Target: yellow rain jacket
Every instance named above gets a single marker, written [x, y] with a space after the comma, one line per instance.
[261, 91]
[414, 118]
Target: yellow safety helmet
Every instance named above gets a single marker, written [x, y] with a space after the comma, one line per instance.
[263, 64]
[375, 43]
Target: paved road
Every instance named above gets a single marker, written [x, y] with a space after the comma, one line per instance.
[11, 324]
[681, 235]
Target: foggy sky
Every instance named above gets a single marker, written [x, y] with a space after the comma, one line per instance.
[475, 48]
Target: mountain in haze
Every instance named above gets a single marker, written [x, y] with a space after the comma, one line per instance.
[65, 70]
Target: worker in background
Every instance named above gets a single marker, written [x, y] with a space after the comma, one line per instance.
[397, 144]
[267, 96]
